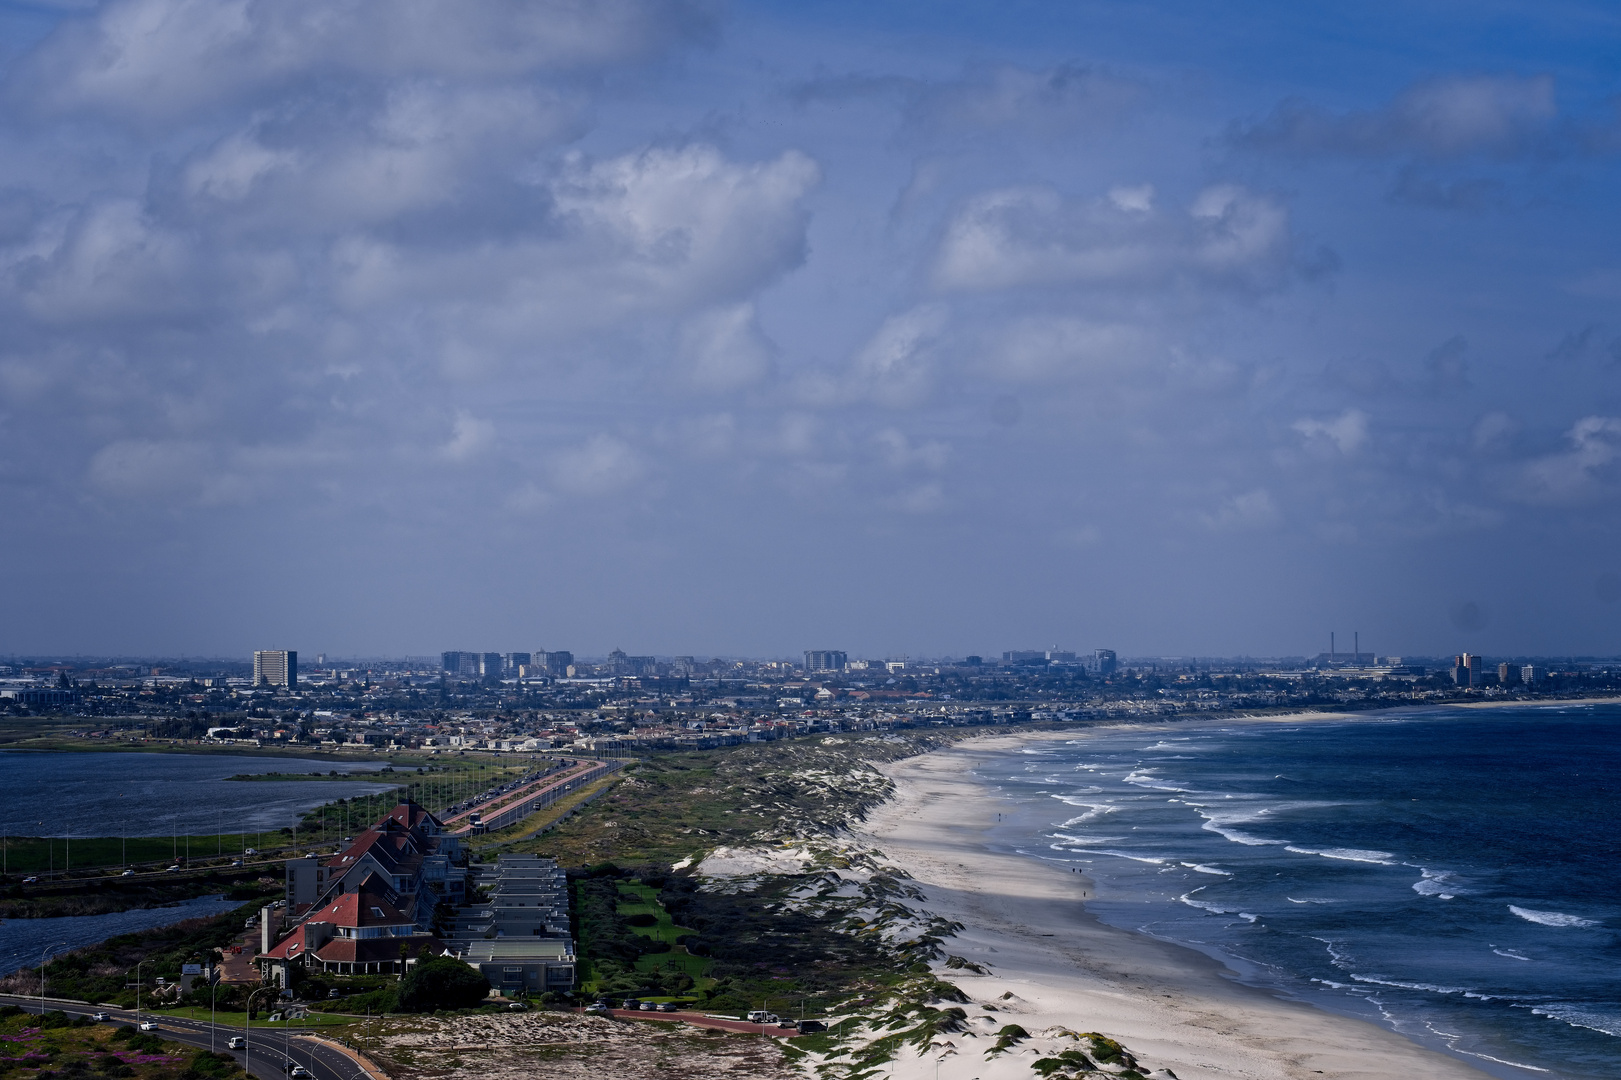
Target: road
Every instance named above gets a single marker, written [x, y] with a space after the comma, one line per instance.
[273, 1051]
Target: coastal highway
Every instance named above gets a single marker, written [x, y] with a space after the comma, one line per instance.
[274, 1050]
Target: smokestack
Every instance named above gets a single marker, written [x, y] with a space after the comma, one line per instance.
[1356, 646]
[1331, 646]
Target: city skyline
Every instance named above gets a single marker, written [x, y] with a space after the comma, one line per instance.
[746, 328]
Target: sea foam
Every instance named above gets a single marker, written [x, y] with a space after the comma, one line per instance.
[1551, 918]
[1346, 854]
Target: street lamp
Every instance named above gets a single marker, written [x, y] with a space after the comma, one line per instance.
[44, 957]
[138, 991]
[247, 1029]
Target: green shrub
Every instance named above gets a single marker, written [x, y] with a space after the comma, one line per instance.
[442, 982]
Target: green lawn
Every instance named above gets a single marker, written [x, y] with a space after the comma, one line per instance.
[639, 899]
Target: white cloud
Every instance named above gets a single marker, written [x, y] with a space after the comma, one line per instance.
[1579, 474]
[1251, 510]
[901, 454]
[895, 366]
[469, 438]
[161, 59]
[108, 260]
[724, 348]
[1033, 236]
[602, 465]
[1442, 117]
[1346, 432]
[1041, 348]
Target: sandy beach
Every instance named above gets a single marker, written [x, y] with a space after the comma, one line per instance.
[1051, 965]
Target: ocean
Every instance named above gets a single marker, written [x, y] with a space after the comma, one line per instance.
[1454, 875]
[69, 793]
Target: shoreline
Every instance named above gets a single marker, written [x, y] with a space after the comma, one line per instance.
[1050, 963]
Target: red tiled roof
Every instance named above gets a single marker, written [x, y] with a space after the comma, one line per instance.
[374, 950]
[370, 905]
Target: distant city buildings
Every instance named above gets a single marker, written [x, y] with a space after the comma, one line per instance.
[1105, 661]
[825, 660]
[275, 668]
[557, 664]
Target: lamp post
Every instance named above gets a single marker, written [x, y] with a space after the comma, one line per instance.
[247, 1029]
[44, 958]
[138, 967]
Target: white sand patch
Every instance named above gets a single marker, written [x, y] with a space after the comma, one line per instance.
[731, 862]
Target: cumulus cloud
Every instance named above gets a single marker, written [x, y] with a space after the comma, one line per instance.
[1443, 117]
[724, 348]
[155, 60]
[1346, 433]
[1251, 510]
[1579, 474]
[469, 438]
[602, 465]
[897, 364]
[1039, 348]
[1028, 236]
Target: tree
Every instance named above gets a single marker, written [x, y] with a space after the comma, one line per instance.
[442, 982]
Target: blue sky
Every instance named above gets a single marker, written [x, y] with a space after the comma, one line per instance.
[373, 327]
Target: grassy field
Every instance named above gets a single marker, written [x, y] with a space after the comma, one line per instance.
[637, 902]
[673, 805]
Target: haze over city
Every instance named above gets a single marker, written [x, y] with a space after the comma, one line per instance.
[745, 329]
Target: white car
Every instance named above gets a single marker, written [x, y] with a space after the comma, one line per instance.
[149, 1025]
[100, 1018]
[301, 1073]
[236, 1042]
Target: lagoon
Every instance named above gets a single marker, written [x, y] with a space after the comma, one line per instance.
[51, 793]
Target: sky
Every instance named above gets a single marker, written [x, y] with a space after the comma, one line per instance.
[378, 327]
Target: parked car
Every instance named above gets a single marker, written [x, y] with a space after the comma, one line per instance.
[100, 1017]
[517, 1006]
[649, 1006]
[787, 1023]
[597, 1007]
[236, 1042]
[334, 992]
[807, 1027]
[760, 1016]
[631, 1003]
[668, 1006]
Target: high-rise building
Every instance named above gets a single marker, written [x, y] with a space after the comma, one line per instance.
[1105, 661]
[1530, 674]
[555, 663]
[275, 667]
[515, 660]
[825, 660]
[1508, 674]
[461, 663]
[490, 665]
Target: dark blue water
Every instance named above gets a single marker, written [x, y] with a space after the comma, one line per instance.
[1452, 875]
[23, 941]
[116, 794]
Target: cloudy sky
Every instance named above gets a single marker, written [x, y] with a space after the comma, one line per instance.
[388, 326]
